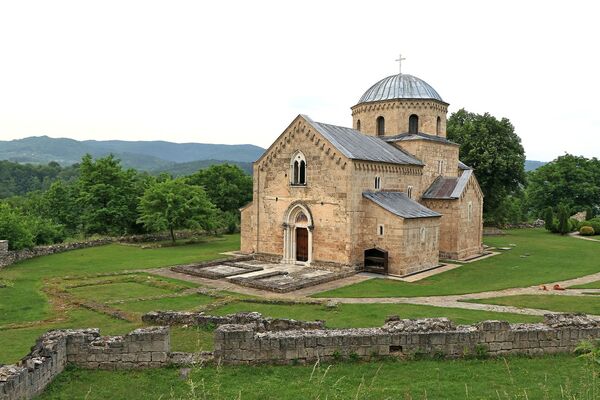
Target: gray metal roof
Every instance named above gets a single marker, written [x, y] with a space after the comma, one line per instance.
[448, 188]
[402, 86]
[358, 146]
[463, 166]
[400, 204]
[418, 136]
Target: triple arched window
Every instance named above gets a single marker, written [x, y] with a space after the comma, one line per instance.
[298, 169]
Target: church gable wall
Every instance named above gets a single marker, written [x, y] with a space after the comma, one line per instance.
[324, 195]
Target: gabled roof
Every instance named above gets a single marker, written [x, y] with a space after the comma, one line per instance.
[444, 188]
[400, 204]
[358, 146]
[418, 136]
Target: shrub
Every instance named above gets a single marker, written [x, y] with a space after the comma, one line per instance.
[573, 225]
[548, 218]
[594, 223]
[586, 231]
[14, 228]
[563, 219]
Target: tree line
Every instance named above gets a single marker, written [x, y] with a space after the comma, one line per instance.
[103, 198]
[566, 185]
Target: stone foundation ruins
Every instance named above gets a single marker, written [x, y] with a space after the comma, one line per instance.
[249, 338]
[243, 344]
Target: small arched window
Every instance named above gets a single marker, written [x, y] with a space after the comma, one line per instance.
[413, 124]
[380, 126]
[377, 182]
[409, 191]
[358, 125]
[438, 126]
[298, 166]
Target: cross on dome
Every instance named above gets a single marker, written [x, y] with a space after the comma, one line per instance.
[399, 60]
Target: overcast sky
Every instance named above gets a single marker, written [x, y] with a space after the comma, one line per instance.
[239, 72]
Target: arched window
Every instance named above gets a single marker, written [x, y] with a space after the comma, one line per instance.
[413, 124]
[380, 126]
[438, 126]
[358, 125]
[377, 182]
[298, 169]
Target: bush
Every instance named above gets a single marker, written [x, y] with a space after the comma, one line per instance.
[15, 229]
[548, 218]
[563, 219]
[586, 231]
[594, 223]
[573, 225]
[45, 231]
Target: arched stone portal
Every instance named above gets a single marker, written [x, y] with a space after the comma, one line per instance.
[297, 235]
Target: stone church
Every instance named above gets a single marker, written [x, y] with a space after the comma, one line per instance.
[389, 195]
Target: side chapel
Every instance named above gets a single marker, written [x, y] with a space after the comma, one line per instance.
[389, 195]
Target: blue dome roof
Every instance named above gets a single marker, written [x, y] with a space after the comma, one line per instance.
[400, 87]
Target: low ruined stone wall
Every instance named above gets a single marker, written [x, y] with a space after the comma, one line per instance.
[142, 348]
[256, 320]
[11, 257]
[243, 344]
[3, 247]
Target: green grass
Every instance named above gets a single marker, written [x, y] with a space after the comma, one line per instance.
[119, 290]
[15, 343]
[583, 304]
[591, 285]
[547, 258]
[192, 339]
[24, 301]
[367, 315]
[555, 377]
[180, 303]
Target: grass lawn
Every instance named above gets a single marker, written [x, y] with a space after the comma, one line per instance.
[23, 301]
[538, 257]
[120, 290]
[367, 315]
[555, 377]
[180, 303]
[583, 304]
[591, 285]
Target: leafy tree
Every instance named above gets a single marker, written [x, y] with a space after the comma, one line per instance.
[14, 228]
[19, 179]
[571, 180]
[227, 186]
[563, 219]
[173, 204]
[108, 196]
[548, 218]
[494, 150]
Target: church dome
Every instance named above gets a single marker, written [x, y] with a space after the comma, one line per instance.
[398, 86]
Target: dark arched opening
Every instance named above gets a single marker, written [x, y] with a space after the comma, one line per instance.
[358, 125]
[413, 124]
[376, 260]
[302, 173]
[438, 126]
[380, 126]
[296, 172]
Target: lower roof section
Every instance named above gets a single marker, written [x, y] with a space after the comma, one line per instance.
[400, 204]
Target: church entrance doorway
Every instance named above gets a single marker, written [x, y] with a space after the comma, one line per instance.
[297, 235]
[301, 244]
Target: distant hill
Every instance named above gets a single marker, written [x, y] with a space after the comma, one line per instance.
[188, 168]
[531, 165]
[143, 155]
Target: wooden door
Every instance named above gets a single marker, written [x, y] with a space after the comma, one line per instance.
[301, 244]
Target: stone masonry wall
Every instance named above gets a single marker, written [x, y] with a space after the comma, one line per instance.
[3, 247]
[260, 323]
[242, 344]
[142, 348]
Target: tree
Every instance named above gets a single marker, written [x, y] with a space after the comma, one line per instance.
[563, 219]
[108, 196]
[494, 150]
[13, 227]
[173, 204]
[571, 180]
[548, 218]
[227, 186]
